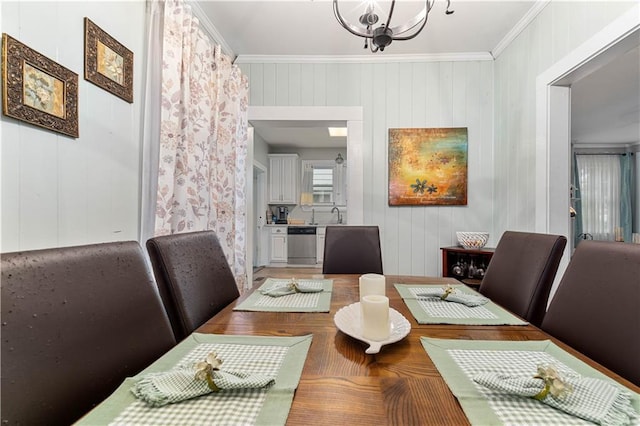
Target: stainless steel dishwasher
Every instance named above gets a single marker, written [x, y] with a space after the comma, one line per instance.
[301, 245]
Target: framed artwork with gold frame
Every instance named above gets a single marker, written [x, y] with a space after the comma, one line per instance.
[107, 63]
[37, 90]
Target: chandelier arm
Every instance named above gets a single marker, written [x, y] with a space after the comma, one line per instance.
[419, 19]
[409, 37]
[393, 5]
[348, 26]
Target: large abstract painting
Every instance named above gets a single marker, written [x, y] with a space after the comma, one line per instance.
[428, 167]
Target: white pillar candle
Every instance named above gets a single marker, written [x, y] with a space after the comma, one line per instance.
[374, 318]
[372, 284]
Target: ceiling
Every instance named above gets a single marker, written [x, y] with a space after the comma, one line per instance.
[605, 103]
[299, 134]
[308, 27]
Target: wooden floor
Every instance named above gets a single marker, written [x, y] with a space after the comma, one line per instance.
[259, 274]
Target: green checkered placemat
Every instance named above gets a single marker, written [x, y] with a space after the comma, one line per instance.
[282, 357]
[458, 361]
[297, 302]
[434, 311]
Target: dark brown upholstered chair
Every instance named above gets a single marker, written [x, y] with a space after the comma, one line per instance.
[194, 278]
[596, 308]
[76, 322]
[352, 250]
[521, 272]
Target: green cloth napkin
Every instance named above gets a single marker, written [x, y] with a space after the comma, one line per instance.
[471, 300]
[595, 400]
[158, 389]
[289, 288]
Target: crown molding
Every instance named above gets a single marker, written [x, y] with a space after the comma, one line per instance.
[211, 29]
[519, 27]
[427, 57]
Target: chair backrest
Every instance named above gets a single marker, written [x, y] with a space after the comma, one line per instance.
[193, 276]
[596, 308]
[352, 250]
[76, 321]
[521, 272]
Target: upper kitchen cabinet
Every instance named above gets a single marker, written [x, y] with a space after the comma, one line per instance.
[283, 178]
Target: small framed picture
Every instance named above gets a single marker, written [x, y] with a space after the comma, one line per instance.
[107, 63]
[37, 90]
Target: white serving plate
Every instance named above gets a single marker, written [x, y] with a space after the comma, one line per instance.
[347, 319]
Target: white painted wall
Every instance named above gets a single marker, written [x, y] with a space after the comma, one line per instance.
[60, 191]
[400, 94]
[636, 214]
[260, 150]
[556, 31]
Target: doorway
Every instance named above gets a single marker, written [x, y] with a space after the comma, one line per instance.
[274, 115]
[352, 116]
[553, 99]
[259, 209]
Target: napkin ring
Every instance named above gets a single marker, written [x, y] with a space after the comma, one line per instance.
[293, 285]
[212, 385]
[447, 291]
[206, 368]
[553, 383]
[544, 392]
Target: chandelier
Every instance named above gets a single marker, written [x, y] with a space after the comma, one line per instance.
[383, 35]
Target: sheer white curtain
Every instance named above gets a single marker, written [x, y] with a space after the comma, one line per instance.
[306, 192]
[600, 194]
[339, 187]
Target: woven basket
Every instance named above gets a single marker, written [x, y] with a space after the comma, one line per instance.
[472, 240]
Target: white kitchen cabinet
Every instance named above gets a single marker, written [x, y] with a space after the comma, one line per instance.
[320, 231]
[278, 244]
[283, 179]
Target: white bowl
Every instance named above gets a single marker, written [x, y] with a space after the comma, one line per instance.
[472, 240]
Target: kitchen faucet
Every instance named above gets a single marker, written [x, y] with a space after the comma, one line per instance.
[339, 216]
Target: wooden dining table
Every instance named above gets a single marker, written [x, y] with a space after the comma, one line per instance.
[341, 384]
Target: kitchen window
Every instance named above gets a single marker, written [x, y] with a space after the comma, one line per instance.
[323, 183]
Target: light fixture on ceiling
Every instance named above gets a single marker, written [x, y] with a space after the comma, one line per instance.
[383, 35]
[337, 132]
[339, 159]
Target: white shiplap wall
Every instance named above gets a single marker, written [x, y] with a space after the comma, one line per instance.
[400, 94]
[559, 29]
[60, 191]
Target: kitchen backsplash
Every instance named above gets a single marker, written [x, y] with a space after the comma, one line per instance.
[322, 217]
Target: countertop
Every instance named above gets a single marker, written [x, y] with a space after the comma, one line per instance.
[318, 225]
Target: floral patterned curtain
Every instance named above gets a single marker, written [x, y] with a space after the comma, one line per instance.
[203, 138]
